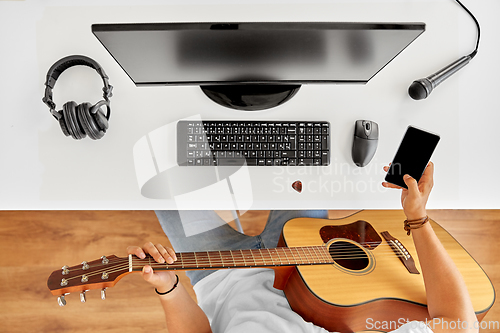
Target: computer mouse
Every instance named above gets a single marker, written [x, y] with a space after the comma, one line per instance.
[365, 142]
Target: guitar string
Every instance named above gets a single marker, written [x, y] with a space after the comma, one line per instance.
[176, 266]
[140, 264]
[111, 261]
[125, 264]
[282, 250]
[348, 246]
[343, 254]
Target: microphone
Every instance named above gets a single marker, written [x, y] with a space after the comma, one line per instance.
[421, 89]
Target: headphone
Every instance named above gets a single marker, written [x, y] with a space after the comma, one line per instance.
[84, 119]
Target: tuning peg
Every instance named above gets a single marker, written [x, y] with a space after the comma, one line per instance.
[65, 270]
[103, 294]
[83, 297]
[105, 260]
[61, 300]
[85, 265]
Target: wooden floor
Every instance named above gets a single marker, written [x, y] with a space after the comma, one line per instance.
[34, 243]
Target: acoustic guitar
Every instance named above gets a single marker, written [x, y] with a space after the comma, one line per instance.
[345, 275]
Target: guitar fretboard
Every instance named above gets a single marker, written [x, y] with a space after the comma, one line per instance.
[282, 256]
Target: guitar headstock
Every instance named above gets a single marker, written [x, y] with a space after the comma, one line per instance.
[98, 274]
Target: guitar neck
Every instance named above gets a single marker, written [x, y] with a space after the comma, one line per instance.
[281, 256]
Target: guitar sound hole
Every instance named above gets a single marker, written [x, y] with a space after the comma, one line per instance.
[348, 255]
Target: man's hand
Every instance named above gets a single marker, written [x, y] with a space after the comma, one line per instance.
[182, 314]
[164, 280]
[415, 197]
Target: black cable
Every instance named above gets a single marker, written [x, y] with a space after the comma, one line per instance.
[473, 54]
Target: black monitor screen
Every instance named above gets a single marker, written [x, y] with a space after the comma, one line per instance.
[218, 53]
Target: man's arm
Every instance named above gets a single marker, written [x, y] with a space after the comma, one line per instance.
[182, 313]
[447, 295]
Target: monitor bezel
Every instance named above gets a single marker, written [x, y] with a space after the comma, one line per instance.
[107, 27]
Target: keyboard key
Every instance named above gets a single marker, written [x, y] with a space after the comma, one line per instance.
[231, 161]
[289, 153]
[305, 161]
[251, 161]
[325, 158]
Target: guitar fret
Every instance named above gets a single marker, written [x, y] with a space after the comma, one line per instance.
[320, 254]
[249, 257]
[305, 254]
[262, 259]
[302, 259]
[271, 256]
[286, 255]
[209, 261]
[294, 259]
[299, 259]
[312, 256]
[254, 263]
[279, 257]
[234, 261]
[243, 257]
[239, 258]
[266, 256]
[326, 254]
[191, 259]
[225, 258]
[274, 256]
[221, 259]
[316, 254]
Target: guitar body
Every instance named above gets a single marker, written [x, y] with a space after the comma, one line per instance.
[384, 292]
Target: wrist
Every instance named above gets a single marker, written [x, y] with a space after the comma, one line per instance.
[410, 225]
[416, 215]
[166, 289]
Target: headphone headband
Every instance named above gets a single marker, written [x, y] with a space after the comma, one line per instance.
[63, 64]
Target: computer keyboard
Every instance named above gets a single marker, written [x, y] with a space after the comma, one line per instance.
[258, 143]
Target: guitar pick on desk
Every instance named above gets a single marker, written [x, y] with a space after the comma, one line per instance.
[297, 186]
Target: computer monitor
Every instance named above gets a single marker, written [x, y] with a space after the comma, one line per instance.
[254, 65]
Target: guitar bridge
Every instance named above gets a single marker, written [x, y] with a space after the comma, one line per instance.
[402, 253]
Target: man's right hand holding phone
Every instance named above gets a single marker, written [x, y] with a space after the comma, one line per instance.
[415, 197]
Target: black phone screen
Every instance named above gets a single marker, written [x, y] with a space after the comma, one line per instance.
[413, 154]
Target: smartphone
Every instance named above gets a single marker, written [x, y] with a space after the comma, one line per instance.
[413, 155]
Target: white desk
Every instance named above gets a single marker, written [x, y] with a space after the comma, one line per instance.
[42, 169]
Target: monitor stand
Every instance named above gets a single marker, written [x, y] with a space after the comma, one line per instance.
[250, 97]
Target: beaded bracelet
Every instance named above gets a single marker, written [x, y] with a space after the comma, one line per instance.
[166, 292]
[415, 224]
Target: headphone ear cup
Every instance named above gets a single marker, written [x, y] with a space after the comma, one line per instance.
[88, 123]
[101, 120]
[62, 123]
[73, 126]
